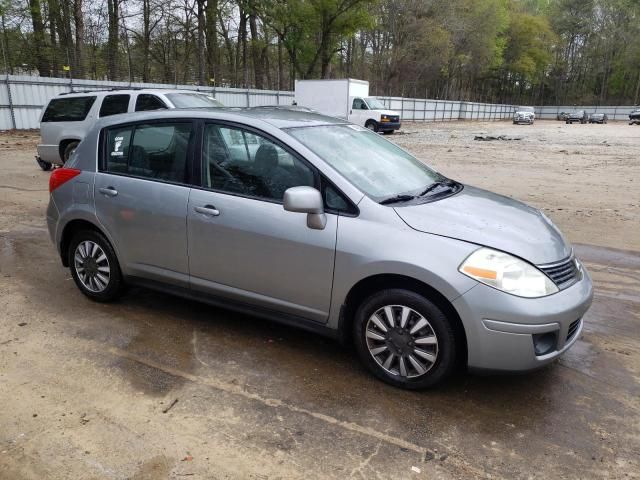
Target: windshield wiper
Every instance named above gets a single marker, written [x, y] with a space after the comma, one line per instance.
[440, 183]
[396, 199]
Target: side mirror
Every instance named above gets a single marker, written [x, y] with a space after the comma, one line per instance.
[306, 200]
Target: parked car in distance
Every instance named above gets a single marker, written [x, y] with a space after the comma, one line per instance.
[634, 116]
[524, 115]
[598, 118]
[67, 118]
[322, 224]
[577, 116]
[562, 116]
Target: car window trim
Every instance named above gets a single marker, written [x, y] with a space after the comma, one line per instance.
[319, 177]
[191, 151]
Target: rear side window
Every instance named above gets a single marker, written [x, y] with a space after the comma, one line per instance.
[72, 109]
[146, 102]
[154, 151]
[114, 104]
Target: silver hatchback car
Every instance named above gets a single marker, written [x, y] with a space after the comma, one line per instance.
[321, 224]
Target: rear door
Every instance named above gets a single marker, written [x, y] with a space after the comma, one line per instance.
[142, 191]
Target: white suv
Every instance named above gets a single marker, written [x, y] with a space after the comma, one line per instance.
[67, 117]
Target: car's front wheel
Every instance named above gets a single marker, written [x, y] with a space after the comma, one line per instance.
[404, 339]
[372, 125]
[94, 266]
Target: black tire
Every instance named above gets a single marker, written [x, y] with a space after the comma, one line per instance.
[115, 282]
[45, 166]
[567, 122]
[447, 347]
[372, 125]
[68, 150]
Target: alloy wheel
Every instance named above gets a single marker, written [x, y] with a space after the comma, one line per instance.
[401, 341]
[92, 266]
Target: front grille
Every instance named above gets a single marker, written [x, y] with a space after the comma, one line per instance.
[564, 273]
[393, 118]
[573, 328]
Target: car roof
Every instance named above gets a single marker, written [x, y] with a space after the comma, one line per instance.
[126, 91]
[277, 117]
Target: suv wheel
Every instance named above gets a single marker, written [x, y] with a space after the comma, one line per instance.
[404, 339]
[94, 266]
[68, 151]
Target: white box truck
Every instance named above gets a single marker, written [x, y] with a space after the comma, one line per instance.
[347, 99]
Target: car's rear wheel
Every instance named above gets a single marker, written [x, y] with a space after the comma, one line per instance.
[94, 266]
[404, 339]
[68, 151]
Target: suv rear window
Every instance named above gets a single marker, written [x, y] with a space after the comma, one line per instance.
[114, 104]
[71, 109]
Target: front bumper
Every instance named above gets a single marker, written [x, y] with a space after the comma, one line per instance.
[388, 126]
[523, 120]
[500, 327]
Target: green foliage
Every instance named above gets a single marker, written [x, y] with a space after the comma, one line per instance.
[529, 41]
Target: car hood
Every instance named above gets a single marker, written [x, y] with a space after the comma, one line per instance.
[485, 218]
[387, 112]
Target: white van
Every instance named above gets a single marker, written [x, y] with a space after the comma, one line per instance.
[347, 99]
[67, 117]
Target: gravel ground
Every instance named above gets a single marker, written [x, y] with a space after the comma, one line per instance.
[154, 387]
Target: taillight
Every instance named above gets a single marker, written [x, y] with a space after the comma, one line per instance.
[60, 176]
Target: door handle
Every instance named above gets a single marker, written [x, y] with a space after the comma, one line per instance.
[109, 191]
[209, 210]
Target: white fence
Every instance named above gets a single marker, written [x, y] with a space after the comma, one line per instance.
[23, 97]
[421, 110]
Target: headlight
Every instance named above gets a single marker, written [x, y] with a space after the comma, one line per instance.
[507, 273]
[384, 118]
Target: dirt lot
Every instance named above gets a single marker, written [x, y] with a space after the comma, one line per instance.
[89, 391]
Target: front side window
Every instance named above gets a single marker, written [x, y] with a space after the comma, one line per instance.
[154, 151]
[114, 104]
[241, 162]
[374, 165]
[146, 102]
[358, 104]
[70, 109]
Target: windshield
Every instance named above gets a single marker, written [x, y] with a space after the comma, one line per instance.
[193, 100]
[525, 109]
[374, 103]
[376, 166]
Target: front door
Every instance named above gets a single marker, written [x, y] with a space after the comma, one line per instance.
[141, 198]
[243, 245]
[359, 113]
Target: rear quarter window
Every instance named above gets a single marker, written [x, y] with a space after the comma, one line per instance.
[114, 104]
[72, 109]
